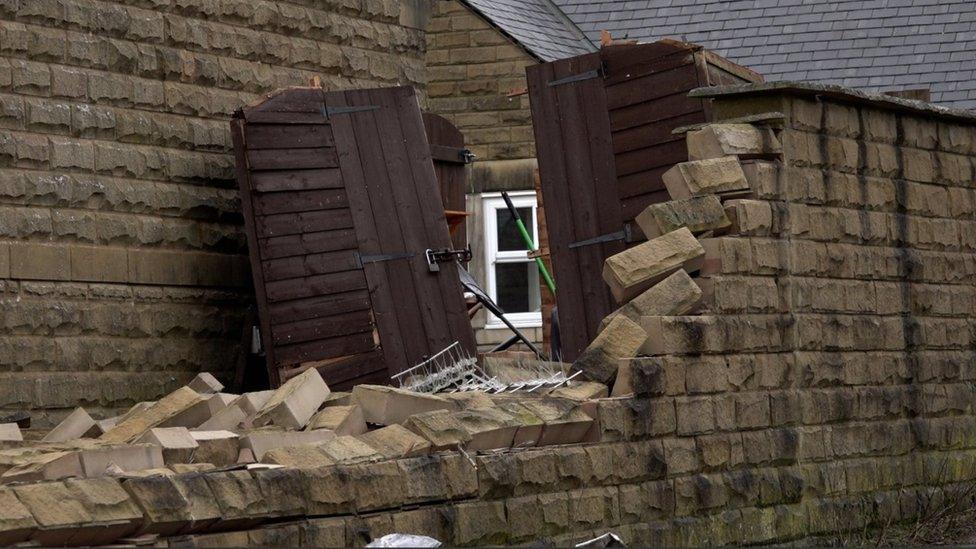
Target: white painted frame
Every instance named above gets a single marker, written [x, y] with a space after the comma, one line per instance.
[490, 203]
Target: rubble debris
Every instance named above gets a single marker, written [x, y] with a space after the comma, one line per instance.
[342, 420]
[210, 405]
[292, 404]
[698, 213]
[177, 444]
[718, 140]
[384, 405]
[675, 295]
[631, 272]
[349, 449]
[218, 447]
[129, 429]
[263, 440]
[10, 432]
[440, 427]
[621, 339]
[18, 522]
[230, 417]
[301, 457]
[563, 422]
[721, 176]
[580, 391]
[22, 418]
[251, 403]
[205, 383]
[395, 441]
[487, 429]
[78, 424]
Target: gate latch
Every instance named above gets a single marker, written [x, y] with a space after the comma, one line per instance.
[445, 255]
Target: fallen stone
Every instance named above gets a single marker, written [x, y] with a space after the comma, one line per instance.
[581, 391]
[721, 176]
[264, 440]
[218, 447]
[177, 444]
[105, 425]
[384, 405]
[564, 422]
[47, 466]
[396, 441]
[231, 417]
[342, 420]
[10, 432]
[251, 403]
[339, 398]
[349, 449]
[205, 384]
[201, 412]
[750, 217]
[470, 400]
[620, 340]
[440, 427]
[78, 424]
[677, 294]
[180, 468]
[631, 272]
[294, 403]
[16, 522]
[97, 462]
[718, 140]
[698, 214]
[169, 406]
[487, 429]
[246, 455]
[529, 431]
[299, 457]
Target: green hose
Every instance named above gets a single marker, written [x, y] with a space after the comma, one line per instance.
[528, 243]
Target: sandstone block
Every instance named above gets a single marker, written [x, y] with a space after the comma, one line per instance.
[78, 424]
[631, 272]
[580, 391]
[292, 405]
[718, 140]
[169, 406]
[677, 294]
[96, 462]
[61, 518]
[620, 341]
[10, 432]
[440, 427]
[201, 412]
[488, 429]
[174, 504]
[205, 384]
[239, 497]
[349, 449]
[48, 466]
[721, 176]
[750, 217]
[261, 441]
[395, 441]
[251, 403]
[529, 431]
[230, 417]
[698, 214]
[384, 405]
[299, 457]
[342, 420]
[564, 422]
[114, 513]
[218, 447]
[16, 521]
[470, 400]
[176, 443]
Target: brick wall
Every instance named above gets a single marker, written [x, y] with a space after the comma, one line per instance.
[122, 260]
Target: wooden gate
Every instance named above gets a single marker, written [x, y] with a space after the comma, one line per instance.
[450, 158]
[603, 125]
[341, 205]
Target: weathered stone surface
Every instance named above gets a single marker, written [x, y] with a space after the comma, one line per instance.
[349, 449]
[441, 427]
[218, 447]
[631, 272]
[383, 405]
[342, 420]
[228, 418]
[580, 391]
[488, 429]
[16, 521]
[721, 176]
[292, 404]
[205, 384]
[300, 457]
[564, 422]
[619, 341]
[171, 405]
[174, 504]
[78, 424]
[177, 443]
[698, 214]
[263, 440]
[239, 497]
[251, 403]
[10, 432]
[677, 294]
[718, 140]
[750, 217]
[395, 441]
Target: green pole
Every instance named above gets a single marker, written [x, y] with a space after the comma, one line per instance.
[528, 242]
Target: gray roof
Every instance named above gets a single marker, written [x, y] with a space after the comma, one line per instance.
[538, 25]
[873, 45]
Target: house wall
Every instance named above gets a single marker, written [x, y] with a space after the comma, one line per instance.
[472, 67]
[122, 258]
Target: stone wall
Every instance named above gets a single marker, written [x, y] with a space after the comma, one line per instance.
[122, 259]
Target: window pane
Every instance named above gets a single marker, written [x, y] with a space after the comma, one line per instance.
[517, 287]
[509, 238]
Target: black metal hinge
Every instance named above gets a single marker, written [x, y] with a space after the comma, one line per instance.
[624, 235]
[364, 259]
[329, 111]
[445, 255]
[595, 73]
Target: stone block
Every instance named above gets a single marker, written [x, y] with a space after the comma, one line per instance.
[47, 466]
[488, 429]
[174, 504]
[201, 412]
[349, 449]
[96, 462]
[294, 403]
[580, 391]
[251, 403]
[205, 384]
[298, 457]
[750, 217]
[166, 408]
[10, 432]
[677, 294]
[218, 447]
[631, 272]
[396, 441]
[16, 521]
[718, 140]
[618, 342]
[440, 427]
[78, 424]
[342, 420]
[229, 418]
[721, 176]
[529, 431]
[263, 440]
[563, 422]
[480, 523]
[65, 519]
[377, 485]
[177, 444]
[383, 405]
[698, 213]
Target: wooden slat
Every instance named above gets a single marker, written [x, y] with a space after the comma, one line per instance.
[640, 137]
[292, 159]
[288, 136]
[627, 61]
[299, 201]
[307, 243]
[332, 283]
[655, 112]
[660, 154]
[323, 328]
[642, 182]
[296, 180]
[349, 371]
[652, 86]
[310, 265]
[318, 306]
[631, 207]
[305, 222]
[325, 348]
[288, 106]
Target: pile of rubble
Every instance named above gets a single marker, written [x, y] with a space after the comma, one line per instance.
[651, 280]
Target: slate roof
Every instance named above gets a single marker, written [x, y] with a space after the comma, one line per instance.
[538, 25]
[872, 45]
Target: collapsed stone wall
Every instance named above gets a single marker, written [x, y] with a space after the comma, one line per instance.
[123, 266]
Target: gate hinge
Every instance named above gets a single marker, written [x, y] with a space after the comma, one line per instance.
[624, 235]
[364, 259]
[329, 111]
[445, 255]
[595, 73]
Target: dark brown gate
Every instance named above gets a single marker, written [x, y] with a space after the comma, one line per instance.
[450, 158]
[341, 203]
[603, 125]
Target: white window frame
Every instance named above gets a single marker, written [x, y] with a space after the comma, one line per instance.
[490, 203]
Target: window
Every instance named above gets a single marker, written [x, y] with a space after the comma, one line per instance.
[512, 278]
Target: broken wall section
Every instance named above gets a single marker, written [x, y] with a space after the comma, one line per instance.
[122, 254]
